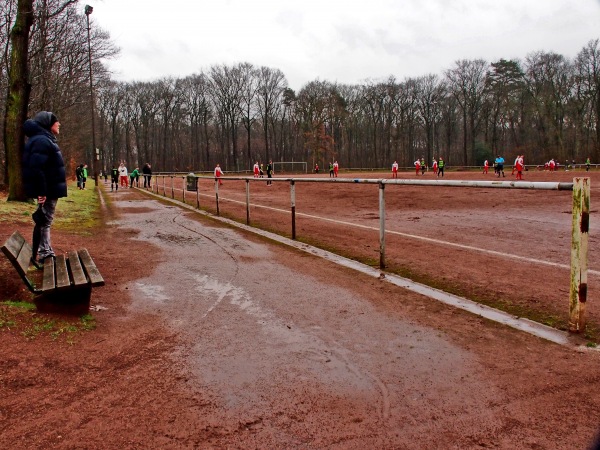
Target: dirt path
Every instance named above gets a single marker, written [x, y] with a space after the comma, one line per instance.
[213, 339]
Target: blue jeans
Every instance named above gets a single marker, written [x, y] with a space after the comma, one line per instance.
[42, 247]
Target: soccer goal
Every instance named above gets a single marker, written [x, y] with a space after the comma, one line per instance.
[290, 167]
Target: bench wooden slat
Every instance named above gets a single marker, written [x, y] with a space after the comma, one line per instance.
[49, 279]
[90, 268]
[77, 275]
[24, 257]
[13, 245]
[62, 274]
[18, 252]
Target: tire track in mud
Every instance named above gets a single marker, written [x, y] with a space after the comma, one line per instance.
[221, 294]
[384, 407]
[213, 241]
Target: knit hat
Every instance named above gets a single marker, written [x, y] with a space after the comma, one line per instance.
[45, 119]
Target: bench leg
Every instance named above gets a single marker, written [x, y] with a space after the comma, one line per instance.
[71, 301]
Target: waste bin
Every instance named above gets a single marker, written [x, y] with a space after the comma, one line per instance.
[192, 182]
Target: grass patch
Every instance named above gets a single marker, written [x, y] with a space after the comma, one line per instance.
[78, 213]
[22, 318]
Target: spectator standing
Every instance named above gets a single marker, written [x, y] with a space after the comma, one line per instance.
[79, 175]
[44, 178]
[270, 172]
[123, 175]
[85, 175]
[147, 172]
[114, 178]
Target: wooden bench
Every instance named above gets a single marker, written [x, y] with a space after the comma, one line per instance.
[66, 282]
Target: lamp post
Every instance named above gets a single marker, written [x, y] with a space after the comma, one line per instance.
[88, 10]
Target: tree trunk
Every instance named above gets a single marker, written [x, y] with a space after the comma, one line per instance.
[18, 99]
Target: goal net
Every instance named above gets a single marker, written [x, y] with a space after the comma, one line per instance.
[290, 167]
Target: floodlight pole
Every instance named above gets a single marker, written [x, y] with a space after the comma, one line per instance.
[88, 11]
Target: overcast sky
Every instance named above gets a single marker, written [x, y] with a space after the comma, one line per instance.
[337, 40]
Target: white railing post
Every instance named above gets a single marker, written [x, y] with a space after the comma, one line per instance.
[381, 226]
[247, 202]
[197, 194]
[579, 254]
[293, 207]
[217, 194]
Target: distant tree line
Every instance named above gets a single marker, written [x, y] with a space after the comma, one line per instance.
[545, 106]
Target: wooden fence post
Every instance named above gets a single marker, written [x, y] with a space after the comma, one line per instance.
[579, 254]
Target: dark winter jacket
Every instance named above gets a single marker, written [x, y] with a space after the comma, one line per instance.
[43, 164]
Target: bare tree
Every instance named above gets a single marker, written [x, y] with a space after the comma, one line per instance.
[505, 83]
[548, 80]
[313, 112]
[200, 110]
[7, 12]
[430, 92]
[18, 98]
[228, 89]
[271, 85]
[111, 98]
[249, 88]
[467, 85]
[587, 66]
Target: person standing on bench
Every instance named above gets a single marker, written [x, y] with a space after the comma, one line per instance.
[44, 178]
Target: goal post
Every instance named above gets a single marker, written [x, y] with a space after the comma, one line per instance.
[290, 167]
